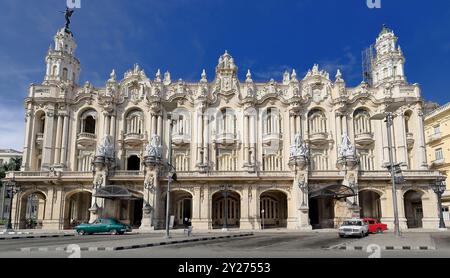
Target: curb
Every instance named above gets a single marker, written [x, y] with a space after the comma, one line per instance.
[36, 236]
[386, 248]
[128, 247]
[15, 233]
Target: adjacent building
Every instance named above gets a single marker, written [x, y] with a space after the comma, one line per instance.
[5, 157]
[437, 131]
[301, 153]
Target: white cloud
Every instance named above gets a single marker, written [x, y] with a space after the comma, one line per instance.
[12, 126]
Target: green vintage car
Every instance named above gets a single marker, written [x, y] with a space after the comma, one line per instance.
[103, 225]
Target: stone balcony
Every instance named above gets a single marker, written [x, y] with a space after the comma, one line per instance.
[437, 162]
[39, 140]
[365, 138]
[138, 176]
[133, 139]
[434, 137]
[85, 139]
[225, 139]
[181, 139]
[318, 138]
[410, 140]
[269, 139]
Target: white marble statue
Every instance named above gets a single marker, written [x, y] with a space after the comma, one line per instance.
[346, 149]
[154, 149]
[106, 147]
[299, 149]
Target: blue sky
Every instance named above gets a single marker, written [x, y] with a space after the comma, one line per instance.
[185, 36]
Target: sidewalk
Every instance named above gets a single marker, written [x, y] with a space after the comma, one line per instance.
[388, 241]
[150, 241]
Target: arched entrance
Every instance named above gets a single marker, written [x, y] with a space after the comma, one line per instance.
[233, 213]
[321, 212]
[273, 209]
[122, 203]
[413, 208]
[76, 210]
[133, 163]
[322, 204]
[32, 210]
[180, 208]
[182, 202]
[370, 204]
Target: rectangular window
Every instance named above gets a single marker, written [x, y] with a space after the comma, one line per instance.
[439, 154]
[437, 129]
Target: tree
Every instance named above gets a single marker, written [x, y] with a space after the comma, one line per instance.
[13, 165]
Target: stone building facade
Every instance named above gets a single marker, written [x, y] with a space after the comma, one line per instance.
[437, 131]
[300, 153]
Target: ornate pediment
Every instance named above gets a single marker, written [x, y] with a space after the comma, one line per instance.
[226, 82]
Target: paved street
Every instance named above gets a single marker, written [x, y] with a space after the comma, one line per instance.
[258, 245]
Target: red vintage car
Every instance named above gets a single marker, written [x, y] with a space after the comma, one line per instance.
[375, 226]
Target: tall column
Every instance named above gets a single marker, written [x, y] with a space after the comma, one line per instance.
[65, 138]
[385, 142]
[421, 147]
[106, 124]
[246, 139]
[400, 136]
[345, 124]
[28, 139]
[160, 126]
[199, 138]
[113, 127]
[253, 139]
[292, 129]
[48, 140]
[154, 122]
[58, 138]
[205, 139]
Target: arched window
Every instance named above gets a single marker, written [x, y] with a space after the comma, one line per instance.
[135, 122]
[362, 123]
[133, 163]
[272, 121]
[88, 122]
[65, 74]
[407, 121]
[55, 70]
[41, 124]
[226, 121]
[182, 122]
[317, 122]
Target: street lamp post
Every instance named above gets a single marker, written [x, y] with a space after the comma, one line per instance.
[393, 168]
[439, 188]
[389, 122]
[171, 175]
[11, 189]
[225, 194]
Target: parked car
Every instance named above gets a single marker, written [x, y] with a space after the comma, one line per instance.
[354, 227]
[103, 225]
[375, 226]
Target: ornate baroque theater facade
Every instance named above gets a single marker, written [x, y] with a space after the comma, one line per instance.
[301, 153]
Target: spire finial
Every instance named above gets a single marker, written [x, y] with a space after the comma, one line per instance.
[204, 76]
[249, 76]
